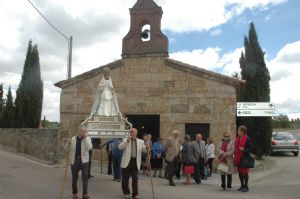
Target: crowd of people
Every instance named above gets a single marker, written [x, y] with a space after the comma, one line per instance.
[193, 159]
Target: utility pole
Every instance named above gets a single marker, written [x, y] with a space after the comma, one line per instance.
[70, 42]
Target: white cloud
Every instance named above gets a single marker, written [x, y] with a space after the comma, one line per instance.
[294, 115]
[216, 32]
[203, 58]
[211, 59]
[285, 72]
[51, 102]
[198, 15]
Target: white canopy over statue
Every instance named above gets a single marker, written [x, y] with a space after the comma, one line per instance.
[106, 120]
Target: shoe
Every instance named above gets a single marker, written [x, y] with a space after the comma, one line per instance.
[85, 196]
[172, 184]
[245, 189]
[90, 176]
[223, 188]
[229, 187]
[125, 196]
[118, 180]
[160, 176]
[75, 196]
[240, 189]
[187, 182]
[136, 197]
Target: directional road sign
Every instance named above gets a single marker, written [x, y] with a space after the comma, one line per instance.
[255, 109]
[255, 106]
[255, 113]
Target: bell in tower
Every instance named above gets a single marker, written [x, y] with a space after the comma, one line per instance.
[145, 37]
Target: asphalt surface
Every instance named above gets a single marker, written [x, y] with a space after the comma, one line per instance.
[21, 178]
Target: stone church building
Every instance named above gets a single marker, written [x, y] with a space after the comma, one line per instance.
[153, 90]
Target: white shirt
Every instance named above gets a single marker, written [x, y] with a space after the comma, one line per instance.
[210, 150]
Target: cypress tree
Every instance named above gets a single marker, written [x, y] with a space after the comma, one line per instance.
[257, 89]
[7, 116]
[1, 98]
[29, 97]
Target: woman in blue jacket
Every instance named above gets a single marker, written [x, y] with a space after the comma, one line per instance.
[157, 157]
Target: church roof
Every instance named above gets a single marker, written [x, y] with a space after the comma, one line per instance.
[200, 72]
[89, 74]
[203, 73]
[145, 4]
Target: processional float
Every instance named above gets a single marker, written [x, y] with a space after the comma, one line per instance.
[105, 120]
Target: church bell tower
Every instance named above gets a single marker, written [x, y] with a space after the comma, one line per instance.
[145, 37]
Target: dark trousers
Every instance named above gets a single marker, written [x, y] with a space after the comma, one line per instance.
[244, 177]
[90, 162]
[199, 170]
[75, 168]
[177, 167]
[229, 181]
[170, 170]
[210, 165]
[109, 168]
[116, 160]
[130, 170]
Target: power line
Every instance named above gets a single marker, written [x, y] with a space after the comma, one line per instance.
[69, 40]
[48, 21]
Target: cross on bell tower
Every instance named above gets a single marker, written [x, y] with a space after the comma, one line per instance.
[145, 37]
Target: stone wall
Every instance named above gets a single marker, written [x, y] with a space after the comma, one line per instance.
[147, 85]
[39, 143]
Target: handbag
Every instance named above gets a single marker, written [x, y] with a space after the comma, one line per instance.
[223, 167]
[247, 162]
[189, 169]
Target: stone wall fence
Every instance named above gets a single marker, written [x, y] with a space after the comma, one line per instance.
[38, 143]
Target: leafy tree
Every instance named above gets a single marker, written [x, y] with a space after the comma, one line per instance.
[29, 97]
[7, 116]
[256, 89]
[281, 121]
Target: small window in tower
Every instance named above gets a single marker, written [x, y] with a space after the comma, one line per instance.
[145, 34]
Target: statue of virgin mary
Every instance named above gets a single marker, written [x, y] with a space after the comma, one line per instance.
[105, 102]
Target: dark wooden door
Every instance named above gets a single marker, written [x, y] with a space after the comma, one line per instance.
[194, 128]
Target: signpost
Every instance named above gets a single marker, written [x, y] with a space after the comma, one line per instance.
[255, 109]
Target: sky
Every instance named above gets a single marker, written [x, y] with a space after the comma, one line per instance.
[207, 34]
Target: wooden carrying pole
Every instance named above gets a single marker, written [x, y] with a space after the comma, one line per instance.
[151, 179]
[66, 171]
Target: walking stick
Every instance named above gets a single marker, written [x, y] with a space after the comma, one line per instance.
[66, 170]
[151, 179]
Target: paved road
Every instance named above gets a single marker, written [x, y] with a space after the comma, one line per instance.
[21, 178]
